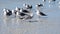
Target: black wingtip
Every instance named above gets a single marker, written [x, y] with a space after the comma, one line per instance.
[42, 14]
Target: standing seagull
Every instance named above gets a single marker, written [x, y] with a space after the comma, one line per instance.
[7, 12]
[39, 13]
[22, 15]
[27, 13]
[14, 12]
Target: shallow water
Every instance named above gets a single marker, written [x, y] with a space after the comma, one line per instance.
[43, 25]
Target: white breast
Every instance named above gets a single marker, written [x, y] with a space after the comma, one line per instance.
[4, 12]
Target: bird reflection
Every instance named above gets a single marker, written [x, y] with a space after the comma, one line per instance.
[7, 21]
[42, 19]
[10, 22]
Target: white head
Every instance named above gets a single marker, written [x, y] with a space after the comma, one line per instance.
[37, 4]
[25, 5]
[16, 8]
[4, 9]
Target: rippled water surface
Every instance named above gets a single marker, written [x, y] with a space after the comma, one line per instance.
[43, 25]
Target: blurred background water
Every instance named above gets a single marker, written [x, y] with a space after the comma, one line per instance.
[44, 25]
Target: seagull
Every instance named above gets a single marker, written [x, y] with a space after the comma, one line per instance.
[21, 15]
[7, 12]
[39, 13]
[14, 12]
[24, 14]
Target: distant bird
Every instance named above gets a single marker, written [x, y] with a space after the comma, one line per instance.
[14, 12]
[7, 12]
[27, 6]
[24, 14]
[39, 13]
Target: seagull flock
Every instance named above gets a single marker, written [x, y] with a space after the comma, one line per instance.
[24, 13]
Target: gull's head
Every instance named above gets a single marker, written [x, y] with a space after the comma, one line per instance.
[16, 8]
[25, 5]
[4, 9]
[37, 4]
